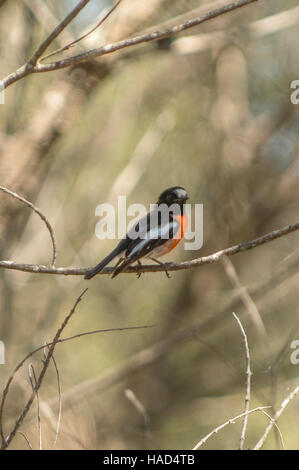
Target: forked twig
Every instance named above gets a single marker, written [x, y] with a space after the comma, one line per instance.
[276, 427]
[56, 31]
[272, 423]
[230, 421]
[73, 43]
[34, 65]
[6, 441]
[47, 345]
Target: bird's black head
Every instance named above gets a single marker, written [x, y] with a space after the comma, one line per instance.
[174, 195]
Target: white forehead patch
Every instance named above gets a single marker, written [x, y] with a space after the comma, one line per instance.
[180, 193]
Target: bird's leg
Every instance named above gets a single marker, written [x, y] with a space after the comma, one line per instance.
[162, 264]
[139, 265]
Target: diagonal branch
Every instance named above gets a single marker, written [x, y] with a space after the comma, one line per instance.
[246, 299]
[38, 382]
[33, 66]
[230, 421]
[272, 423]
[73, 43]
[47, 345]
[213, 258]
[56, 31]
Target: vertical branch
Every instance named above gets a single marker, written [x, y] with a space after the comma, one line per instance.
[247, 385]
[59, 402]
[32, 378]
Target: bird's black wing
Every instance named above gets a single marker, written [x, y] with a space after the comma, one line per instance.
[155, 237]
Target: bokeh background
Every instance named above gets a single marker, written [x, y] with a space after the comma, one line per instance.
[209, 110]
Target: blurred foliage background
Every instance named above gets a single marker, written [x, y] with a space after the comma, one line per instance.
[209, 110]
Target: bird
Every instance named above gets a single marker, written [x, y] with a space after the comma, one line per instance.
[153, 236]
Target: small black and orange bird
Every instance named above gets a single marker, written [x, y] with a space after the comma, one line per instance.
[158, 233]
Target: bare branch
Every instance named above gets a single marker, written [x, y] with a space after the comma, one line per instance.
[73, 43]
[42, 216]
[33, 66]
[47, 345]
[217, 39]
[276, 427]
[59, 401]
[248, 383]
[43, 14]
[20, 432]
[213, 258]
[283, 405]
[60, 27]
[32, 378]
[37, 385]
[139, 406]
[230, 421]
[246, 300]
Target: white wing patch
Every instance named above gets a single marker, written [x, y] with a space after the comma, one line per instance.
[157, 233]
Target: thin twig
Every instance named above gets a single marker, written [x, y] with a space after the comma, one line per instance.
[283, 405]
[218, 39]
[230, 421]
[246, 299]
[59, 402]
[32, 378]
[130, 395]
[138, 361]
[7, 441]
[60, 27]
[276, 427]
[62, 340]
[248, 384]
[213, 258]
[48, 21]
[33, 66]
[38, 212]
[73, 43]
[24, 435]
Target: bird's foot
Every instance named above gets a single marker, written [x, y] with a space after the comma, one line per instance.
[162, 264]
[139, 266]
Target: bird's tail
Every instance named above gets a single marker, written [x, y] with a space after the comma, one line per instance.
[119, 269]
[102, 264]
[121, 266]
